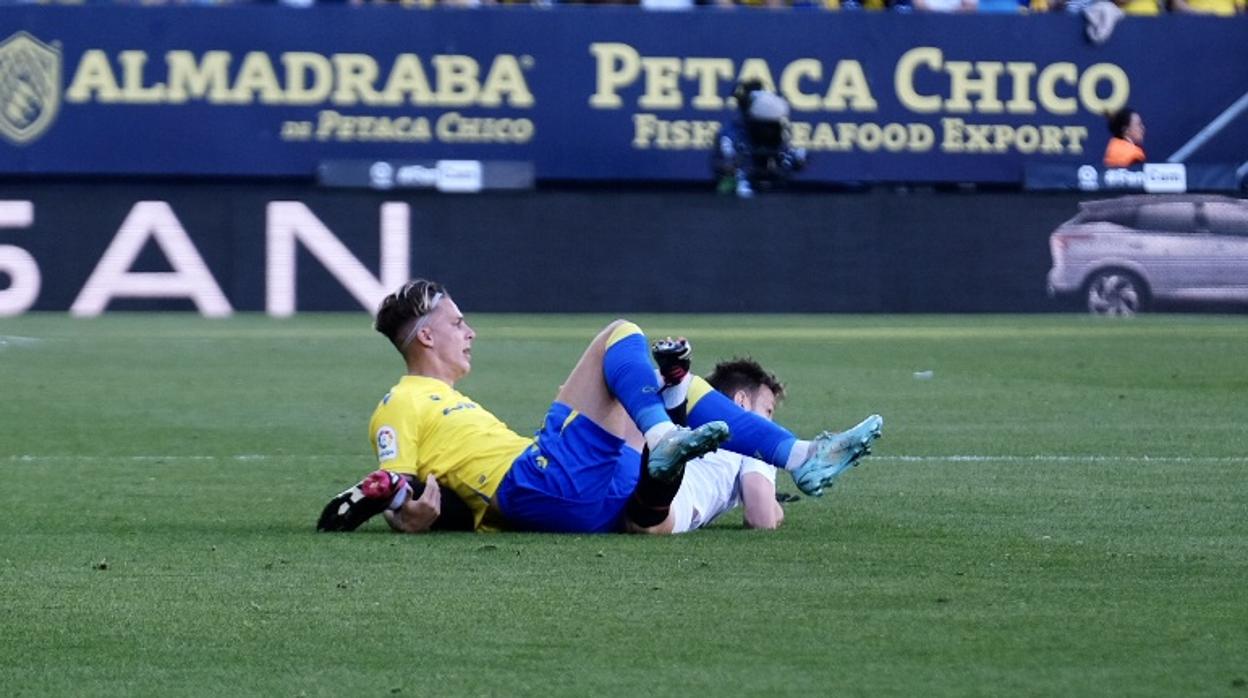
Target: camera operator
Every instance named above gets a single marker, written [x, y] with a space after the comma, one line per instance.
[753, 152]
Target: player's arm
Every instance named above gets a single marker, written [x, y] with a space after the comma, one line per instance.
[663, 528]
[758, 499]
[436, 508]
[418, 514]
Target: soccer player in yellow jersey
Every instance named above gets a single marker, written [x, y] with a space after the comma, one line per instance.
[580, 469]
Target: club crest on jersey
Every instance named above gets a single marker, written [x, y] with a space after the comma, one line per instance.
[30, 87]
[387, 444]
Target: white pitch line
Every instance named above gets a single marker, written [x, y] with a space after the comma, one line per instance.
[958, 458]
[13, 340]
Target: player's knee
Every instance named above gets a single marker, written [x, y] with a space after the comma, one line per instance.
[619, 329]
[612, 326]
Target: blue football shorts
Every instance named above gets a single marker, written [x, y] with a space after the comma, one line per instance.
[575, 478]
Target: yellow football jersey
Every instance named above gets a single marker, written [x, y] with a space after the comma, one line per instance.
[424, 426]
[1224, 8]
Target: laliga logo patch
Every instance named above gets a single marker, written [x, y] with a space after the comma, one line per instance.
[387, 444]
[30, 87]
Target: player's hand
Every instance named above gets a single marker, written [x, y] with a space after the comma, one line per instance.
[417, 515]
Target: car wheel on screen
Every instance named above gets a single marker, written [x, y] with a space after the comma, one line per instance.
[1115, 292]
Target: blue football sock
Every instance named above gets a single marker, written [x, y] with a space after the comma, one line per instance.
[752, 435]
[629, 374]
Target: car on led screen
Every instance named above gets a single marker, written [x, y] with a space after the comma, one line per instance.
[1119, 256]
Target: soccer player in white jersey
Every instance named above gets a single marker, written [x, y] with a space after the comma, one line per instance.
[720, 481]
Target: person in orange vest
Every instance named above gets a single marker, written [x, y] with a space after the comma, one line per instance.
[1127, 131]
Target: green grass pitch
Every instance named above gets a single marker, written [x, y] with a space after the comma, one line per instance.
[1059, 510]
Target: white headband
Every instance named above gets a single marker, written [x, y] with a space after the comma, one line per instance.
[420, 322]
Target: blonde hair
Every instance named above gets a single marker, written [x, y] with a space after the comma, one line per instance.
[402, 313]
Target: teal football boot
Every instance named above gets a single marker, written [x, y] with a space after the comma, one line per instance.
[832, 454]
[681, 445]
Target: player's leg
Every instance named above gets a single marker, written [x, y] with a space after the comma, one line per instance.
[575, 478]
[674, 357]
[584, 464]
[814, 464]
[586, 391]
[712, 485]
[650, 508]
[752, 435]
[614, 384]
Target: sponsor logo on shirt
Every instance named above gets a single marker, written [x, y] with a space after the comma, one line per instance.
[458, 406]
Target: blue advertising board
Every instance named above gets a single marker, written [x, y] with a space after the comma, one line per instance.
[602, 93]
[91, 247]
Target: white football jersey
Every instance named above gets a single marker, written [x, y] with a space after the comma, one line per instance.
[711, 486]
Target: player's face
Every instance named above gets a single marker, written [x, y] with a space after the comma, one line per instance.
[762, 402]
[451, 338]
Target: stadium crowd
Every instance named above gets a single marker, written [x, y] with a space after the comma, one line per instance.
[1222, 8]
